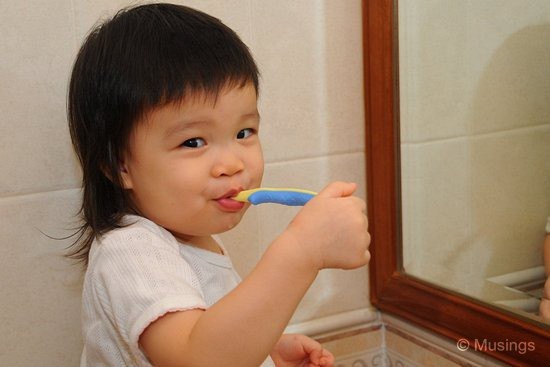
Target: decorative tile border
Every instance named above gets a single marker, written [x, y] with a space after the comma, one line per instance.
[429, 346]
[370, 358]
[395, 359]
[364, 338]
[377, 357]
[349, 334]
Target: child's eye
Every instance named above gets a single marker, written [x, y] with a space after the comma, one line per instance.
[245, 133]
[194, 143]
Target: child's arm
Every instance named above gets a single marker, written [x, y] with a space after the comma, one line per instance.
[242, 328]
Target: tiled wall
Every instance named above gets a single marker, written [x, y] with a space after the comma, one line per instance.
[475, 129]
[311, 103]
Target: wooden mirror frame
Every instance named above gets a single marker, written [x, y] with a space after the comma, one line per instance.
[440, 310]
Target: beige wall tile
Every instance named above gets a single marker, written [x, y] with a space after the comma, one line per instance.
[428, 61]
[311, 101]
[469, 199]
[288, 39]
[513, 61]
[436, 209]
[37, 49]
[343, 61]
[484, 69]
[510, 186]
[40, 302]
[234, 13]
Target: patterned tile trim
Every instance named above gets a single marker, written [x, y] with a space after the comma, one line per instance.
[430, 347]
[375, 357]
[348, 334]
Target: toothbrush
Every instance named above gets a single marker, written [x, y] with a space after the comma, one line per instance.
[284, 196]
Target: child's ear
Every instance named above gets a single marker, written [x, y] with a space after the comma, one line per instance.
[126, 179]
[125, 176]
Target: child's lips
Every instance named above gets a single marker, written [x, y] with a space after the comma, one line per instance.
[227, 203]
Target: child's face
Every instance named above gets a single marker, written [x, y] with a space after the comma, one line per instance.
[186, 159]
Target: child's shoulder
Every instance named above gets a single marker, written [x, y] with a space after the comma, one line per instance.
[137, 224]
[134, 232]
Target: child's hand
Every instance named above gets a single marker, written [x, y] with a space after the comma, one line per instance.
[295, 350]
[332, 228]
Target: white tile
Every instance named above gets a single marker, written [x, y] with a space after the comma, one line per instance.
[40, 299]
[471, 67]
[513, 88]
[435, 82]
[474, 207]
[344, 76]
[332, 292]
[233, 13]
[37, 49]
[510, 186]
[436, 184]
[289, 40]
[92, 12]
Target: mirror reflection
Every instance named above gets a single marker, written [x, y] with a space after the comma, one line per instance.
[474, 81]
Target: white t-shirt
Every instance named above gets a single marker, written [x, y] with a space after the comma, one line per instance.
[135, 275]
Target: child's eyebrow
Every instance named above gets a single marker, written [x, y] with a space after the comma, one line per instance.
[183, 125]
[253, 115]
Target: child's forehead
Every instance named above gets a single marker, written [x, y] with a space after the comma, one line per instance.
[198, 101]
[201, 97]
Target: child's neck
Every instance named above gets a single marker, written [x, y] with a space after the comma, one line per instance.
[206, 243]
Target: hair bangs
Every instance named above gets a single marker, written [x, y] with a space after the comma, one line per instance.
[176, 60]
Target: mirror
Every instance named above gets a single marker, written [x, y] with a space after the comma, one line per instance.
[474, 117]
[474, 84]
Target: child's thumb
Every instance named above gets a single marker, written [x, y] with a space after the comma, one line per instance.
[338, 189]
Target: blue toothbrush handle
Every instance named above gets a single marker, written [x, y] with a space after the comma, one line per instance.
[290, 198]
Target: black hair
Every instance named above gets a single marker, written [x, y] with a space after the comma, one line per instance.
[144, 57]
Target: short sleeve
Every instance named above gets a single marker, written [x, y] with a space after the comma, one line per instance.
[139, 277]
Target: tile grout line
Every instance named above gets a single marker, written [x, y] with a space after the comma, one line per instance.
[22, 194]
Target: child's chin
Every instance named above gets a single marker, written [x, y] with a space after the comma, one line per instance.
[232, 222]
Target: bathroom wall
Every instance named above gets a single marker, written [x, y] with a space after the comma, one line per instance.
[475, 130]
[309, 53]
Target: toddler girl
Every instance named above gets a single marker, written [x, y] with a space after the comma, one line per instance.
[164, 120]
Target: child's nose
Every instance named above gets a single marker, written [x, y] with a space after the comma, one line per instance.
[228, 164]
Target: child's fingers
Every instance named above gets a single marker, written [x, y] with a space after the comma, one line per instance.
[321, 357]
[338, 189]
[315, 356]
[327, 360]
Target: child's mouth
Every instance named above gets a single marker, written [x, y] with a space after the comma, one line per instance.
[228, 204]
